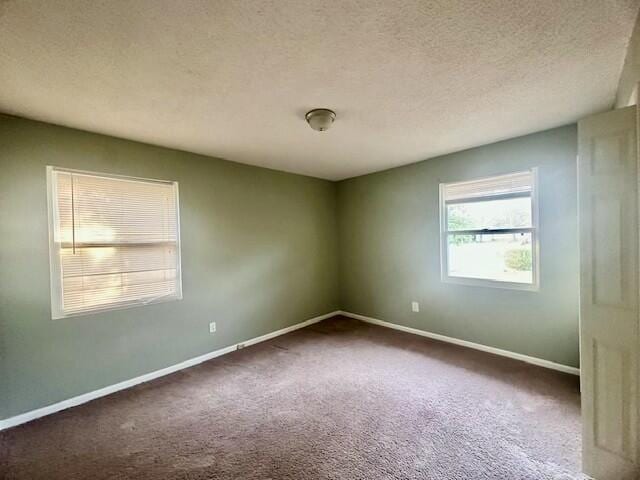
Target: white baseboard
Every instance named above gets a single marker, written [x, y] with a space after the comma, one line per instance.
[86, 397]
[464, 343]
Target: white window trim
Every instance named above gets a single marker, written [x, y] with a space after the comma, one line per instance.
[55, 264]
[482, 282]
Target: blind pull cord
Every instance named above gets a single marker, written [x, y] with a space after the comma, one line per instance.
[73, 218]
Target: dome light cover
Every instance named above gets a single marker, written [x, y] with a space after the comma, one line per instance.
[320, 119]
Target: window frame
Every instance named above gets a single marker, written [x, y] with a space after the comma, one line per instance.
[534, 286]
[55, 259]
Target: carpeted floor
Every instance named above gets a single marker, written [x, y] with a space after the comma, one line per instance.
[337, 400]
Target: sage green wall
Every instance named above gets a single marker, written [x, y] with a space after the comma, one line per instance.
[390, 252]
[259, 253]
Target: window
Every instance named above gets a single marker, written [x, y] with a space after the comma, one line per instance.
[114, 242]
[489, 234]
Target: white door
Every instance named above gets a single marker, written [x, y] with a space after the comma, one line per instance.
[609, 342]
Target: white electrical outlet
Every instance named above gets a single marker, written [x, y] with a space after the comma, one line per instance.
[415, 307]
[212, 327]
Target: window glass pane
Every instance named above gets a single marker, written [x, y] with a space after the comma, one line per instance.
[503, 213]
[499, 257]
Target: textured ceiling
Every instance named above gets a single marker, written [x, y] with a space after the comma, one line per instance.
[408, 79]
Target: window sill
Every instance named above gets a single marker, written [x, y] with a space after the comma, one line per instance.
[479, 282]
[138, 303]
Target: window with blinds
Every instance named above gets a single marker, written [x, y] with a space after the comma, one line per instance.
[114, 242]
[489, 233]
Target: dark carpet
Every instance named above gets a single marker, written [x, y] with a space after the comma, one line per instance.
[337, 400]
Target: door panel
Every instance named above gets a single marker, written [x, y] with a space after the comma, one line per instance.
[608, 210]
[606, 258]
[612, 426]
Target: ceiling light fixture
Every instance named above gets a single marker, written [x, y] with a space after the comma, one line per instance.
[320, 119]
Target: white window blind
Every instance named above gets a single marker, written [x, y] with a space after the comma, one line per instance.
[114, 242]
[510, 184]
